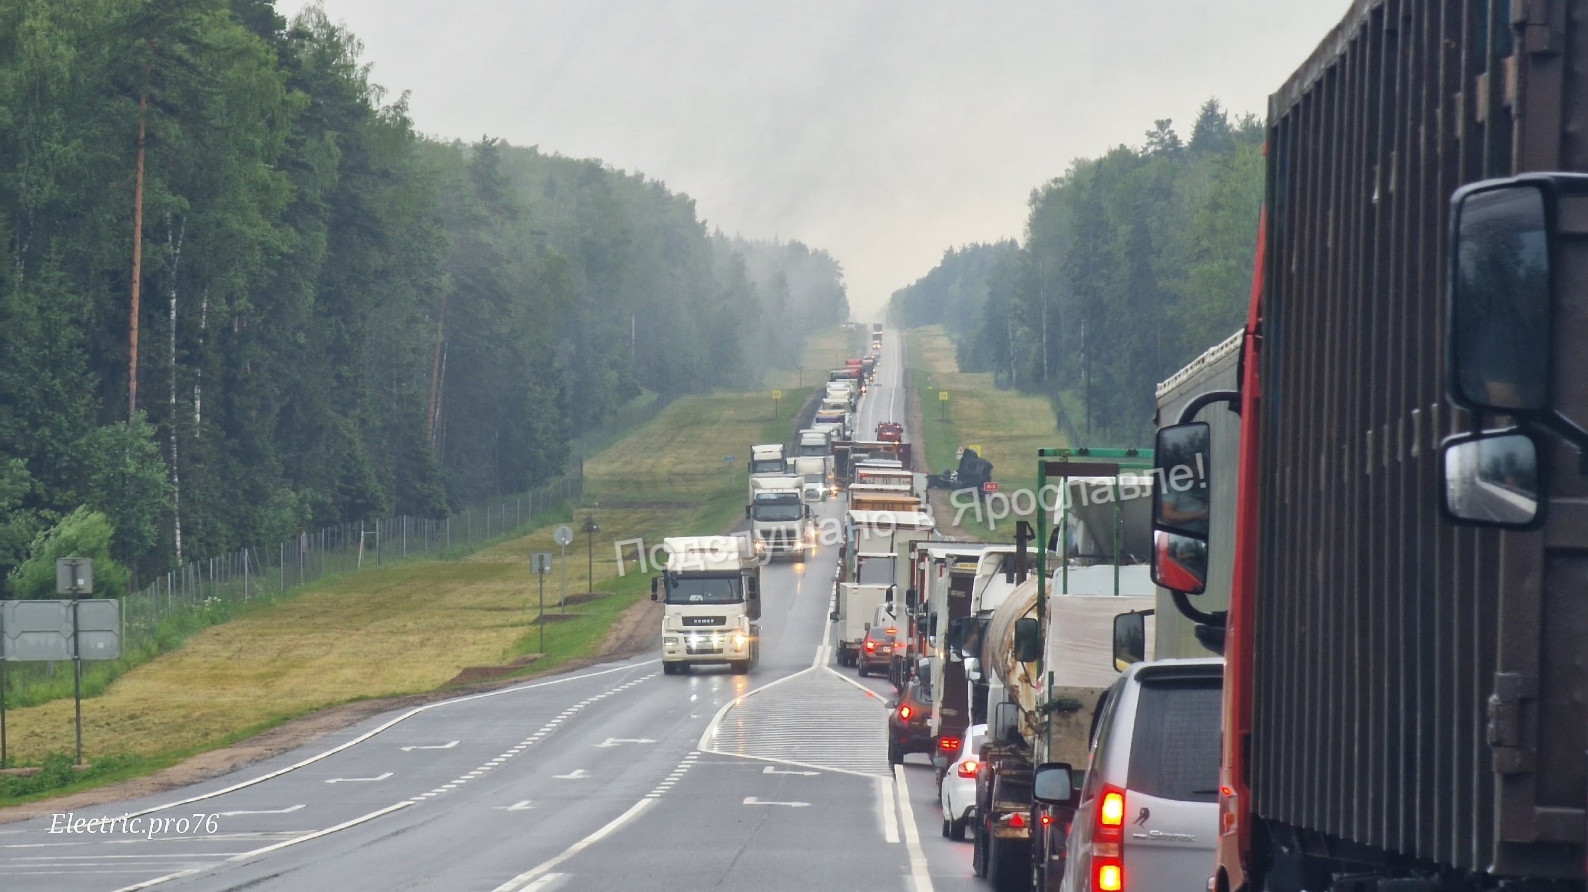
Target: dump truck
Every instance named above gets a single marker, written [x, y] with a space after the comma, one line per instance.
[1405, 697]
[711, 603]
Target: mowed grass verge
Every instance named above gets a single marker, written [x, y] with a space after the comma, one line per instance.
[1006, 426]
[414, 627]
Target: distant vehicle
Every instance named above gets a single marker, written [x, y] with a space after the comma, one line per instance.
[910, 723]
[711, 597]
[958, 793]
[876, 649]
[1148, 814]
[890, 432]
[856, 605]
[766, 460]
[974, 472]
[780, 519]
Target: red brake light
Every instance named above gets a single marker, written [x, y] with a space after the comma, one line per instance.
[890, 631]
[1110, 875]
[1046, 820]
[1111, 809]
[968, 768]
[948, 744]
[871, 645]
[904, 713]
[1017, 820]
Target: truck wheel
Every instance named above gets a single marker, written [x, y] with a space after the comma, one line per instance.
[978, 852]
[740, 667]
[669, 668]
[956, 830]
[1007, 870]
[948, 826]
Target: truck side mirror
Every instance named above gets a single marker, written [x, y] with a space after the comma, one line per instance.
[1130, 639]
[910, 597]
[752, 588]
[655, 587]
[888, 598]
[1493, 479]
[1028, 640]
[1498, 335]
[746, 510]
[1054, 784]
[1181, 495]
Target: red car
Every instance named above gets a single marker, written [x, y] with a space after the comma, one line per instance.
[909, 723]
[890, 432]
[876, 650]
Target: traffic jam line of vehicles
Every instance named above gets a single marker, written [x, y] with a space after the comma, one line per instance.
[1323, 635]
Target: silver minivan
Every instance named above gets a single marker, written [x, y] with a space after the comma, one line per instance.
[1147, 820]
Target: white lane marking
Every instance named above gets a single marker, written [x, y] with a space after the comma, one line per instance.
[158, 880]
[444, 746]
[619, 741]
[378, 729]
[521, 805]
[912, 835]
[576, 774]
[278, 811]
[319, 833]
[358, 780]
[751, 800]
[887, 811]
[546, 882]
[518, 883]
[825, 651]
[775, 770]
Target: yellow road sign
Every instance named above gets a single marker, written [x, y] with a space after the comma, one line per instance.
[942, 396]
[777, 394]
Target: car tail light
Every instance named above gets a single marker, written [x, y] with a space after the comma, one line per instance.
[890, 631]
[1046, 820]
[871, 645]
[904, 713]
[1109, 875]
[1108, 863]
[968, 768]
[948, 744]
[1111, 812]
[1229, 810]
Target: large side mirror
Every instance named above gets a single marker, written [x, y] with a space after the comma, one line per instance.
[973, 669]
[1180, 563]
[746, 510]
[1130, 639]
[888, 598]
[752, 588]
[1028, 640]
[1493, 479]
[910, 597]
[1180, 498]
[1500, 297]
[655, 588]
[1054, 784]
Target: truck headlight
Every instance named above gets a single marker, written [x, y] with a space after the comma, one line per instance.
[739, 641]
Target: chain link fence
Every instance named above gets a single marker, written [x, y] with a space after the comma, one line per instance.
[208, 591]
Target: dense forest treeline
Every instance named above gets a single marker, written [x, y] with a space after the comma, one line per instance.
[336, 318]
[1132, 264]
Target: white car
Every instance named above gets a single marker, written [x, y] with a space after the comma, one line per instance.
[958, 796]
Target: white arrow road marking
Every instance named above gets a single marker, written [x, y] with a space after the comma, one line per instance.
[770, 770]
[619, 741]
[348, 780]
[751, 800]
[521, 805]
[277, 811]
[444, 746]
[577, 774]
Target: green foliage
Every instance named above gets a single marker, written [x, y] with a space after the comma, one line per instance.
[58, 772]
[338, 318]
[84, 533]
[1132, 264]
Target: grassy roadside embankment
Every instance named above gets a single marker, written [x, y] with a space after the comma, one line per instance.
[1007, 427]
[415, 627]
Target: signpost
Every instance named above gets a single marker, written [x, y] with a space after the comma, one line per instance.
[942, 402]
[563, 536]
[540, 565]
[776, 395]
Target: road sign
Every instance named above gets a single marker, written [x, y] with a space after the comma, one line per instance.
[976, 449]
[540, 562]
[777, 394]
[942, 396]
[563, 535]
[74, 576]
[41, 631]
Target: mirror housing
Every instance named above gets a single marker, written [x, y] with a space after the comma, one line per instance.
[752, 588]
[1053, 783]
[1497, 336]
[888, 598]
[972, 668]
[1180, 563]
[1182, 463]
[655, 588]
[1130, 639]
[1494, 479]
[746, 510]
[1028, 640]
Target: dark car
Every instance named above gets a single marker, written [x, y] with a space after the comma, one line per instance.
[876, 650]
[909, 723]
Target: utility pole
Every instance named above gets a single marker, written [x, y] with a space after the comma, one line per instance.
[137, 247]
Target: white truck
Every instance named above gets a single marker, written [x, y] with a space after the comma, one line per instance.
[766, 460]
[711, 597]
[813, 474]
[780, 519]
[855, 609]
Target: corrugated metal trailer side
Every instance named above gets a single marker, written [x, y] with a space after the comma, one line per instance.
[1214, 370]
[1382, 631]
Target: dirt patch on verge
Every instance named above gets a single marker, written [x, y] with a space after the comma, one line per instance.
[638, 630]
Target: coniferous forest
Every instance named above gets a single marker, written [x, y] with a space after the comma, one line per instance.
[1132, 264]
[242, 297]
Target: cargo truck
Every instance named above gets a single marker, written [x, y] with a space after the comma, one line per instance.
[855, 609]
[766, 460]
[711, 603]
[1406, 698]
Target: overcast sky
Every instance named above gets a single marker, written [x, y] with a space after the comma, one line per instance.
[883, 131]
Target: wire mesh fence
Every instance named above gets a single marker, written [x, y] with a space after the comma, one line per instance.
[210, 590]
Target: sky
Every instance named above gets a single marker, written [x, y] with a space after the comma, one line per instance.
[883, 131]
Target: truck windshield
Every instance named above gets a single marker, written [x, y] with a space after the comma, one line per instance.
[781, 508]
[767, 466]
[814, 449]
[703, 590]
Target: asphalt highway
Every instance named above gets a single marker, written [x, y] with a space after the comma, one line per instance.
[612, 777]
